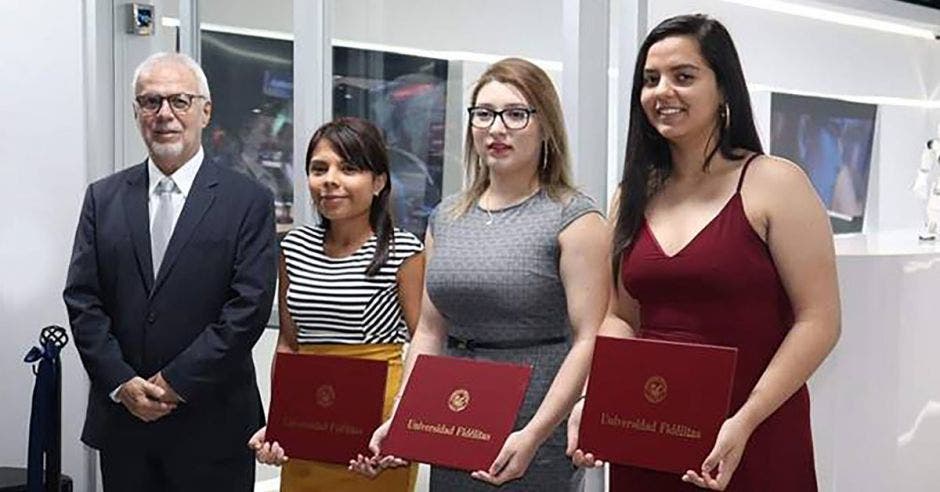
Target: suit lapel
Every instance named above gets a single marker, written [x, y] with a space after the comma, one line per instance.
[200, 199]
[138, 221]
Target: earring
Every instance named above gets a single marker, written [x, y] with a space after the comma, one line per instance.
[544, 155]
[726, 115]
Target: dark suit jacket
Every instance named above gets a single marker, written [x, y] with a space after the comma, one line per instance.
[196, 322]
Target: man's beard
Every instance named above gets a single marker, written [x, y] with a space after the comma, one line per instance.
[167, 150]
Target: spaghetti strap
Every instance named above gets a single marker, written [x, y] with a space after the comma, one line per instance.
[744, 171]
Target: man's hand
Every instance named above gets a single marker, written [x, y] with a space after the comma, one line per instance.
[169, 395]
[143, 399]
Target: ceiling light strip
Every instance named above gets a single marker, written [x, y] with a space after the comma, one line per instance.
[344, 43]
[836, 17]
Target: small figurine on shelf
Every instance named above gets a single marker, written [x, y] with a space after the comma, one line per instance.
[927, 187]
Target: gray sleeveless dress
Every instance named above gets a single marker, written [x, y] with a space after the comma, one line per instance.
[495, 277]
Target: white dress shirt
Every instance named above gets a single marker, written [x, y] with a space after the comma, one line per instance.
[183, 177]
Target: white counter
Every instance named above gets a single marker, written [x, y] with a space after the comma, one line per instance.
[890, 243]
[876, 399]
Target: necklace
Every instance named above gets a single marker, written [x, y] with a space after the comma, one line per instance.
[485, 208]
[489, 213]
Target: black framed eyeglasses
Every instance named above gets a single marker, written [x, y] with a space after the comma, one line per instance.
[513, 118]
[179, 103]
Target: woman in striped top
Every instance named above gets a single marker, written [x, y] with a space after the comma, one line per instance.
[350, 286]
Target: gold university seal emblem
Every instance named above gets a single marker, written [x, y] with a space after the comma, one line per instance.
[655, 389]
[325, 396]
[458, 400]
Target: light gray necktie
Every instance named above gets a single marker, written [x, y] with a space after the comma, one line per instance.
[162, 227]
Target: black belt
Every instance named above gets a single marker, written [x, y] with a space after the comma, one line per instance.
[471, 344]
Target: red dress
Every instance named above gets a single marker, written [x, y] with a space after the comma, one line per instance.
[722, 288]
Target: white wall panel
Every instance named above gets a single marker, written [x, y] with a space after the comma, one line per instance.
[42, 178]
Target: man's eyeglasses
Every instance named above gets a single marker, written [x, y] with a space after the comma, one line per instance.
[179, 103]
[513, 118]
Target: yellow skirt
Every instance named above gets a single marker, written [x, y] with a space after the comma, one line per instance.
[313, 476]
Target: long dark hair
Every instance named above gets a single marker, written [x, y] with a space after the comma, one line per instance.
[648, 162]
[361, 145]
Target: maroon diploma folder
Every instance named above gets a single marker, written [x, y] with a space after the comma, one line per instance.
[457, 412]
[325, 408]
[656, 404]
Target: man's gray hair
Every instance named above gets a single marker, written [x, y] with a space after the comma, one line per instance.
[180, 58]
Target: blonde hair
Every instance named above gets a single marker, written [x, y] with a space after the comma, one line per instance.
[539, 92]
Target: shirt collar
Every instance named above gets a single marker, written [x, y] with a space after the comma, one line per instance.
[183, 177]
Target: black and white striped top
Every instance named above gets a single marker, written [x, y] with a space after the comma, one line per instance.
[331, 300]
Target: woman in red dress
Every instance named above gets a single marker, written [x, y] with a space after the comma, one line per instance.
[716, 243]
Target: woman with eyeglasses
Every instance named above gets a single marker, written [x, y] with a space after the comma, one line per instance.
[516, 264]
[716, 243]
[350, 286]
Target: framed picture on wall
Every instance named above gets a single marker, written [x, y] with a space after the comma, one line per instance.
[832, 141]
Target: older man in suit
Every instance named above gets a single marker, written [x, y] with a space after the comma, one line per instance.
[169, 287]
